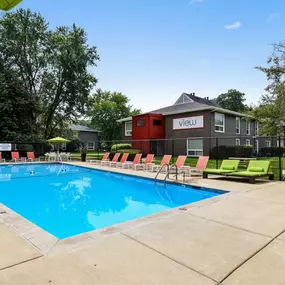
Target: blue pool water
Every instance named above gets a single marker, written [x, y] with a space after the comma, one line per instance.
[68, 200]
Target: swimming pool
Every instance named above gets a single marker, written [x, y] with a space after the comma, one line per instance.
[68, 200]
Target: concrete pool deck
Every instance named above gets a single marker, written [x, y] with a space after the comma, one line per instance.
[233, 239]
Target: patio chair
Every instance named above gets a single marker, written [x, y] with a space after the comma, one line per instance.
[31, 157]
[227, 166]
[1, 159]
[98, 161]
[134, 162]
[68, 156]
[199, 168]
[142, 166]
[164, 164]
[16, 157]
[51, 156]
[177, 167]
[108, 163]
[122, 160]
[255, 169]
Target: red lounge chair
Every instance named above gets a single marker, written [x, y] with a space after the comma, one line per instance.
[178, 165]
[180, 161]
[136, 161]
[31, 157]
[145, 164]
[104, 158]
[123, 160]
[115, 159]
[15, 156]
[164, 164]
[199, 168]
[1, 159]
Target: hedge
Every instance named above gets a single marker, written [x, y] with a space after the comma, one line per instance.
[73, 145]
[130, 157]
[271, 151]
[224, 151]
[121, 146]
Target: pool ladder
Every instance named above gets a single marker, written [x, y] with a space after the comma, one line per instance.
[169, 169]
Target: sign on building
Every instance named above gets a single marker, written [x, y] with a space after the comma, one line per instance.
[196, 122]
[5, 147]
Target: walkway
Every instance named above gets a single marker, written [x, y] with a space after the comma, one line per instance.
[233, 239]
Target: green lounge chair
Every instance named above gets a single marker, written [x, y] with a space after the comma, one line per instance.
[255, 169]
[228, 166]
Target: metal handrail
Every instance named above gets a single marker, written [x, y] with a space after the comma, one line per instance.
[155, 179]
[168, 172]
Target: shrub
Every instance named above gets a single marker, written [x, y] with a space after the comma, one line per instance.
[224, 151]
[73, 145]
[24, 148]
[132, 154]
[271, 151]
[121, 146]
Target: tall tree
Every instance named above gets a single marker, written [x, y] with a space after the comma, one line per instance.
[271, 111]
[54, 66]
[16, 108]
[108, 107]
[232, 100]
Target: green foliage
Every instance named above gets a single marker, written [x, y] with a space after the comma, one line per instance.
[271, 151]
[73, 145]
[121, 146]
[271, 111]
[130, 151]
[106, 108]
[226, 151]
[53, 67]
[232, 100]
[17, 121]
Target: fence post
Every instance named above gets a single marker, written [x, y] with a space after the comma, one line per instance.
[172, 152]
[217, 159]
[280, 159]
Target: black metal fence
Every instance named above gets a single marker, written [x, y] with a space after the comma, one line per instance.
[217, 148]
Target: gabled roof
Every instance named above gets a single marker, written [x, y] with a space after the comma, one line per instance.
[187, 103]
[81, 128]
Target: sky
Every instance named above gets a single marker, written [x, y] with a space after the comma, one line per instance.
[154, 50]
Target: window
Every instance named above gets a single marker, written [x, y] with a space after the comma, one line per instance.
[256, 147]
[237, 125]
[247, 127]
[194, 147]
[237, 141]
[256, 128]
[91, 145]
[247, 142]
[156, 122]
[183, 99]
[140, 123]
[128, 129]
[219, 123]
[281, 143]
[267, 143]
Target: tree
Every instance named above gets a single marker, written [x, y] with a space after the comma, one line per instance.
[16, 108]
[53, 65]
[108, 107]
[232, 100]
[271, 111]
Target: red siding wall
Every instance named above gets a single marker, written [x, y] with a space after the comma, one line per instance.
[147, 131]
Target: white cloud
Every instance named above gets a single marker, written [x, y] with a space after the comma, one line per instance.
[195, 1]
[234, 26]
[272, 17]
